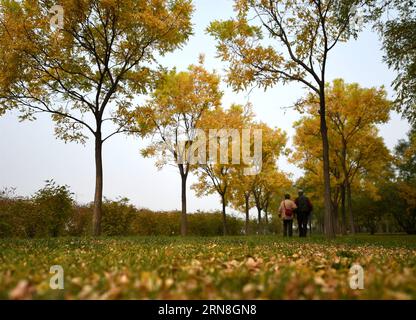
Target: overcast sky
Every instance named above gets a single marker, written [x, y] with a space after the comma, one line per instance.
[30, 154]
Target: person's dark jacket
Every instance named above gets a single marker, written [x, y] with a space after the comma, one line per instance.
[300, 207]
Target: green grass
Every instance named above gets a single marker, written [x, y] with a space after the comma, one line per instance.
[256, 267]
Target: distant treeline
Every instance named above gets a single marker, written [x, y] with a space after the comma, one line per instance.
[52, 212]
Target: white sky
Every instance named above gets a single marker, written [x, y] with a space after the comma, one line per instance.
[30, 154]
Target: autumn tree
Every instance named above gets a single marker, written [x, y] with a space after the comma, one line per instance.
[287, 41]
[259, 189]
[224, 130]
[269, 187]
[242, 199]
[355, 148]
[395, 21]
[87, 72]
[405, 184]
[172, 117]
[273, 145]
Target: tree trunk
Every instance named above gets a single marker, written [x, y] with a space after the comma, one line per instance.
[259, 215]
[344, 184]
[343, 211]
[259, 229]
[310, 224]
[350, 214]
[224, 217]
[98, 197]
[266, 221]
[184, 220]
[335, 213]
[247, 198]
[328, 216]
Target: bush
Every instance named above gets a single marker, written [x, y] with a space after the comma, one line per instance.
[45, 214]
[147, 222]
[17, 218]
[210, 224]
[51, 212]
[117, 217]
[53, 207]
[80, 222]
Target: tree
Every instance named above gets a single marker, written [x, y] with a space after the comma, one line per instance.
[241, 198]
[273, 145]
[86, 73]
[224, 131]
[405, 188]
[306, 31]
[355, 148]
[405, 152]
[173, 117]
[398, 34]
[261, 187]
[269, 190]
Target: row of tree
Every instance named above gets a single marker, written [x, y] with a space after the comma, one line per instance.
[181, 117]
[88, 74]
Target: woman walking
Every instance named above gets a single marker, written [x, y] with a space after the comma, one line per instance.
[286, 212]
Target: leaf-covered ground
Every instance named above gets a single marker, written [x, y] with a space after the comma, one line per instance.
[209, 268]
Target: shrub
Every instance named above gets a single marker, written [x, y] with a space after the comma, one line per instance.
[80, 222]
[210, 224]
[117, 217]
[51, 212]
[53, 207]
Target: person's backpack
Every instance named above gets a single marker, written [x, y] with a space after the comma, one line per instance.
[303, 204]
[288, 212]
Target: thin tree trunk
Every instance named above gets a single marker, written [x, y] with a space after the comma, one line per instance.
[350, 214]
[266, 220]
[328, 216]
[184, 220]
[259, 219]
[224, 217]
[335, 213]
[98, 197]
[344, 184]
[310, 224]
[343, 210]
[247, 198]
[259, 215]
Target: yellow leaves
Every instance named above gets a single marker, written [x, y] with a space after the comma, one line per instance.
[22, 291]
[239, 44]
[169, 283]
[252, 290]
[232, 265]
[105, 55]
[175, 111]
[148, 282]
[253, 264]
[86, 293]
[207, 269]
[354, 142]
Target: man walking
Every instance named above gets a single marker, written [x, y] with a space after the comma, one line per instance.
[286, 212]
[303, 211]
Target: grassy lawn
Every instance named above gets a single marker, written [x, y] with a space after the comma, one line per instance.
[257, 267]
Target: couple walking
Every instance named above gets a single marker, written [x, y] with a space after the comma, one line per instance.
[301, 207]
